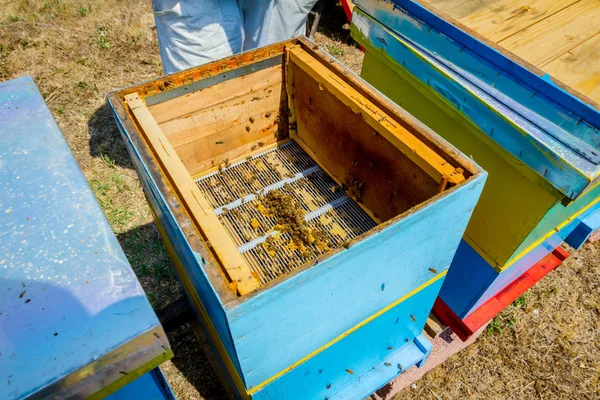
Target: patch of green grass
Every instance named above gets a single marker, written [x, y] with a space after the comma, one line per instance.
[507, 319]
[14, 18]
[119, 182]
[101, 190]
[521, 301]
[60, 110]
[54, 7]
[109, 162]
[99, 187]
[511, 320]
[87, 88]
[500, 323]
[335, 51]
[102, 40]
[24, 43]
[146, 253]
[81, 85]
[83, 11]
[134, 41]
[495, 327]
[119, 216]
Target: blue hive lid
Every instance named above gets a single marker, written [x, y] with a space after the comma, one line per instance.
[68, 296]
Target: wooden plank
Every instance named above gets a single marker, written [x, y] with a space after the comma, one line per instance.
[552, 37]
[434, 165]
[216, 95]
[225, 130]
[225, 146]
[502, 19]
[254, 110]
[433, 326]
[289, 85]
[205, 139]
[580, 68]
[207, 222]
[459, 9]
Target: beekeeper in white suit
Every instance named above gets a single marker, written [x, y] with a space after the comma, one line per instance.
[194, 32]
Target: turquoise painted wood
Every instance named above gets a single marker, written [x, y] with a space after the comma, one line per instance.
[365, 360]
[69, 300]
[399, 259]
[150, 386]
[358, 310]
[190, 252]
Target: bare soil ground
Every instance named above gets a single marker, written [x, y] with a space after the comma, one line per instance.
[547, 345]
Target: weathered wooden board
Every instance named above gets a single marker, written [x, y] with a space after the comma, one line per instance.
[216, 96]
[224, 121]
[580, 67]
[232, 261]
[542, 43]
[502, 19]
[554, 35]
[461, 9]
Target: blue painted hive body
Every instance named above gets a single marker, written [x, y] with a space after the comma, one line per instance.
[150, 386]
[538, 141]
[75, 321]
[586, 226]
[381, 200]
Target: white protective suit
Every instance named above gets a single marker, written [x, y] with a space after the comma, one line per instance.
[194, 32]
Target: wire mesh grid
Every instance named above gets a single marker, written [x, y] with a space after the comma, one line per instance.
[235, 193]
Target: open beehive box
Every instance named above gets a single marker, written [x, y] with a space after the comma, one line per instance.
[297, 188]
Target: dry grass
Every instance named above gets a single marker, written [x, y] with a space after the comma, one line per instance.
[79, 50]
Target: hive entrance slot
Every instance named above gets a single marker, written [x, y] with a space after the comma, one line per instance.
[239, 195]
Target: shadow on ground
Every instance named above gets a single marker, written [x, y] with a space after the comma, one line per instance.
[193, 365]
[334, 23]
[192, 374]
[105, 138]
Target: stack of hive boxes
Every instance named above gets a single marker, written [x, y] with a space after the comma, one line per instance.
[538, 142]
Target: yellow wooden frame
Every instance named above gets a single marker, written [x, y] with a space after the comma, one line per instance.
[422, 155]
[201, 212]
